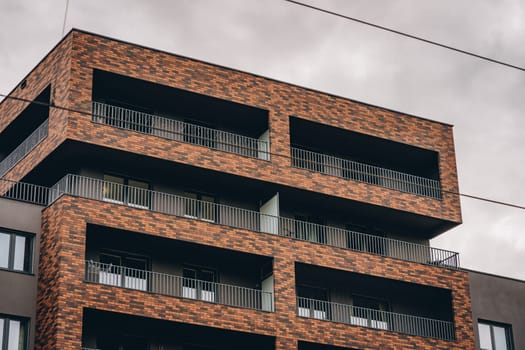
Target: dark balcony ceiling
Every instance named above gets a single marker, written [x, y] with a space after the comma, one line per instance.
[113, 326]
[28, 120]
[73, 156]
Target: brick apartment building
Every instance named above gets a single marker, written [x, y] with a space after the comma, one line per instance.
[162, 202]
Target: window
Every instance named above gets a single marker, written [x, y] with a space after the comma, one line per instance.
[310, 228]
[199, 283]
[13, 333]
[200, 206]
[313, 302]
[372, 243]
[15, 251]
[119, 269]
[495, 336]
[369, 312]
[122, 190]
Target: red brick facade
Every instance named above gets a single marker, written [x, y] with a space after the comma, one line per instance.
[282, 100]
[62, 291]
[63, 250]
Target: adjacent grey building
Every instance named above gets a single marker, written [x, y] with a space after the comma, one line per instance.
[498, 311]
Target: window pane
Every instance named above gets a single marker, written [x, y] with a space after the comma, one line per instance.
[15, 339]
[138, 194]
[4, 250]
[190, 205]
[113, 189]
[485, 341]
[207, 208]
[500, 338]
[19, 261]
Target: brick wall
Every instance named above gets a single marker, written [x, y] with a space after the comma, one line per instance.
[282, 100]
[63, 294]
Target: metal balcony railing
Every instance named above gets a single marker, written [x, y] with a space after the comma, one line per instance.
[24, 192]
[24, 148]
[383, 320]
[251, 220]
[180, 131]
[370, 174]
[177, 286]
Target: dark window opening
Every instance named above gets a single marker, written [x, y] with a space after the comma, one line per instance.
[121, 190]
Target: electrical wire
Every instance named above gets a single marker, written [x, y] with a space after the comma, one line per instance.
[427, 41]
[286, 156]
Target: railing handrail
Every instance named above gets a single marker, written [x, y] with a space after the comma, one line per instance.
[24, 192]
[420, 185]
[254, 221]
[445, 328]
[249, 293]
[256, 145]
[24, 148]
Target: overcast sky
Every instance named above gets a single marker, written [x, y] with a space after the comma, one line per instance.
[485, 101]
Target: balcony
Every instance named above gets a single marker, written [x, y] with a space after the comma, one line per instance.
[178, 268]
[382, 320]
[176, 286]
[180, 131]
[181, 115]
[374, 302]
[24, 192]
[362, 172]
[364, 158]
[214, 213]
[24, 148]
[105, 330]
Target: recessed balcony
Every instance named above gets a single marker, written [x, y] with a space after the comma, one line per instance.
[178, 286]
[362, 172]
[180, 115]
[24, 148]
[178, 130]
[354, 156]
[102, 330]
[178, 269]
[373, 302]
[205, 209]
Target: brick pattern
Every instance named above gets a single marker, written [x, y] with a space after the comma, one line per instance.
[62, 294]
[282, 100]
[63, 244]
[52, 71]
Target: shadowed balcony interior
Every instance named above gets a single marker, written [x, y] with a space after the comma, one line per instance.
[177, 268]
[364, 158]
[180, 115]
[373, 302]
[232, 190]
[28, 120]
[113, 331]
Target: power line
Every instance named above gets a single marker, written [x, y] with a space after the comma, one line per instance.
[286, 156]
[427, 41]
